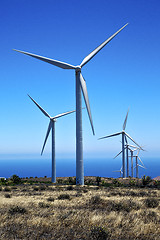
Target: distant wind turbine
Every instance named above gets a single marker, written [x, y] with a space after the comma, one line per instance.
[80, 85]
[120, 171]
[124, 135]
[131, 151]
[137, 164]
[51, 126]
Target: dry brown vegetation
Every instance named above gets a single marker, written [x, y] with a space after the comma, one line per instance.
[48, 211]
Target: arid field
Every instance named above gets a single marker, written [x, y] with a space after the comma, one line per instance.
[101, 209]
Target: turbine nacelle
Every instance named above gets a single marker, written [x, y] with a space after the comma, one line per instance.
[78, 68]
[53, 119]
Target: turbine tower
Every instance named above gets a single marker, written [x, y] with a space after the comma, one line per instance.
[51, 126]
[137, 164]
[80, 85]
[124, 135]
[131, 151]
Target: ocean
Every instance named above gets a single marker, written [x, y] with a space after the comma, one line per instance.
[67, 167]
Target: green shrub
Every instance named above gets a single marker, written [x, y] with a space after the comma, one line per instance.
[60, 181]
[132, 182]
[6, 189]
[15, 179]
[151, 202]
[71, 181]
[146, 180]
[98, 233]
[17, 209]
[69, 188]
[98, 180]
[64, 196]
[116, 183]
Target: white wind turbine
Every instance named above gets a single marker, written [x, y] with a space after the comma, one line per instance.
[51, 126]
[120, 171]
[132, 151]
[137, 164]
[124, 135]
[80, 85]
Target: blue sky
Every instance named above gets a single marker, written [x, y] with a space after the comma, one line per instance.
[124, 74]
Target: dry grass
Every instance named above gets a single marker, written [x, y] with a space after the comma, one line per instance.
[88, 212]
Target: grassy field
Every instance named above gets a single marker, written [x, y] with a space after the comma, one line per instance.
[116, 209]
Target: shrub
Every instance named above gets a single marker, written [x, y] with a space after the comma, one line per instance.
[69, 188]
[146, 180]
[156, 183]
[15, 179]
[60, 181]
[0, 188]
[98, 233]
[95, 200]
[50, 199]
[151, 202]
[35, 188]
[117, 183]
[42, 187]
[71, 181]
[17, 209]
[98, 180]
[7, 195]
[132, 182]
[7, 189]
[64, 196]
[2, 181]
[43, 205]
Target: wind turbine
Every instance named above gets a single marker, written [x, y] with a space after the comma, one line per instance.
[80, 85]
[137, 164]
[124, 135]
[131, 151]
[51, 126]
[120, 171]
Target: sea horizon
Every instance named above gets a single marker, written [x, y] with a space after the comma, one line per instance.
[102, 167]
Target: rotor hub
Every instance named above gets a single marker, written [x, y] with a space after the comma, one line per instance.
[78, 68]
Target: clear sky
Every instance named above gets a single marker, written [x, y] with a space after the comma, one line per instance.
[125, 73]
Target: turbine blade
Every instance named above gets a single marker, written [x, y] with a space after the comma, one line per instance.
[95, 51]
[142, 166]
[63, 114]
[112, 135]
[140, 160]
[86, 99]
[117, 154]
[47, 134]
[138, 151]
[48, 60]
[132, 146]
[132, 140]
[125, 121]
[42, 110]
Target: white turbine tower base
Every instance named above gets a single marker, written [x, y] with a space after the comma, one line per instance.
[80, 85]
[51, 126]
